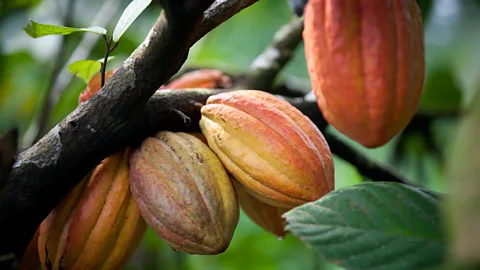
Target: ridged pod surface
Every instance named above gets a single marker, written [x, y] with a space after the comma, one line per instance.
[97, 225]
[184, 193]
[269, 146]
[366, 64]
[264, 215]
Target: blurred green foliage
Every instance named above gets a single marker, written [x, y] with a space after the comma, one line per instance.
[452, 78]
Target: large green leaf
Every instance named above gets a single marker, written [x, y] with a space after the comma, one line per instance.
[373, 226]
[36, 30]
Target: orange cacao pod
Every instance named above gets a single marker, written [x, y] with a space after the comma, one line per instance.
[94, 85]
[202, 78]
[97, 225]
[264, 215]
[30, 259]
[184, 193]
[269, 146]
[366, 64]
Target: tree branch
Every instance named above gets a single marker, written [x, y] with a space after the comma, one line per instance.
[267, 65]
[110, 120]
[219, 12]
[365, 165]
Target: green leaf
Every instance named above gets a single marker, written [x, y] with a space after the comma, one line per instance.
[86, 69]
[133, 10]
[36, 30]
[372, 226]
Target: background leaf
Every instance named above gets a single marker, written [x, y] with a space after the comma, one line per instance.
[463, 173]
[36, 30]
[133, 10]
[372, 226]
[85, 69]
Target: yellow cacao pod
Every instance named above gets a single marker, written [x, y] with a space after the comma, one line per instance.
[184, 193]
[366, 64]
[264, 215]
[269, 146]
[199, 136]
[97, 225]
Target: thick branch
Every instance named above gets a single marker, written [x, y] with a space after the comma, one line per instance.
[97, 128]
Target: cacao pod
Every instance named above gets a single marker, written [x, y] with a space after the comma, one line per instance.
[199, 136]
[202, 78]
[97, 225]
[94, 85]
[366, 64]
[264, 215]
[269, 146]
[30, 259]
[184, 193]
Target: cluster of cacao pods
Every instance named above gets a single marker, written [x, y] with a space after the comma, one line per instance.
[256, 152]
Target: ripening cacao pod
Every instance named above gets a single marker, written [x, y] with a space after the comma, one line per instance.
[269, 146]
[264, 215]
[199, 136]
[202, 78]
[30, 259]
[184, 193]
[97, 225]
[366, 64]
[94, 85]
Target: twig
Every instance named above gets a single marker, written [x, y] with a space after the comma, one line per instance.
[110, 46]
[216, 14]
[267, 65]
[109, 121]
[365, 166]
